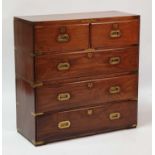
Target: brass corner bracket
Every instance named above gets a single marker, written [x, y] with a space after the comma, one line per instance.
[36, 143]
[134, 125]
[38, 84]
[37, 114]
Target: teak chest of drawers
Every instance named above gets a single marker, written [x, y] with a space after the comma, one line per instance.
[76, 74]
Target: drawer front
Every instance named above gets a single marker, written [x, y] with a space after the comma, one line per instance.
[60, 38]
[91, 120]
[66, 66]
[72, 95]
[115, 34]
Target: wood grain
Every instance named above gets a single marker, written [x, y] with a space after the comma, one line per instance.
[82, 95]
[82, 123]
[46, 38]
[100, 34]
[102, 74]
[81, 65]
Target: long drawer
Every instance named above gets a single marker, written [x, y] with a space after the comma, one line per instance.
[82, 93]
[85, 121]
[100, 62]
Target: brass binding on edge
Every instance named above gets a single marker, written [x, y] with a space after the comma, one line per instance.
[37, 114]
[90, 50]
[37, 142]
[34, 85]
[88, 20]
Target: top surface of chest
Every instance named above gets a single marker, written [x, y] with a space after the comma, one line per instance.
[78, 16]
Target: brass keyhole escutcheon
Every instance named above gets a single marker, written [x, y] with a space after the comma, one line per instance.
[90, 85]
[114, 116]
[114, 89]
[63, 36]
[90, 112]
[90, 54]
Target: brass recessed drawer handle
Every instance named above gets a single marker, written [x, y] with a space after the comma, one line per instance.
[115, 33]
[64, 124]
[63, 96]
[114, 89]
[114, 60]
[63, 66]
[114, 116]
[62, 38]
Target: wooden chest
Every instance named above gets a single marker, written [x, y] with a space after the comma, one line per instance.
[76, 74]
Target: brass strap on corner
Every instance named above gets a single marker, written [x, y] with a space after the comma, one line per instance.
[37, 142]
[37, 84]
[37, 114]
[36, 53]
[134, 125]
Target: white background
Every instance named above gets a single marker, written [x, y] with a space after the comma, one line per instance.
[135, 141]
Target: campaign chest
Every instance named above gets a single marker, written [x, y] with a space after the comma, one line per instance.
[76, 74]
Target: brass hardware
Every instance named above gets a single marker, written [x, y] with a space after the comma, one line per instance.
[90, 55]
[90, 50]
[114, 116]
[88, 20]
[62, 38]
[64, 124]
[134, 125]
[63, 66]
[114, 60]
[90, 112]
[38, 84]
[90, 85]
[37, 142]
[114, 89]
[62, 29]
[115, 33]
[63, 96]
[37, 53]
[36, 114]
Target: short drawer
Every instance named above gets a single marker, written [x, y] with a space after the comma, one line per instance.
[84, 64]
[86, 121]
[60, 38]
[115, 34]
[82, 93]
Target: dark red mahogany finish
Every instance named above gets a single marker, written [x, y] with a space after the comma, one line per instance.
[76, 74]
